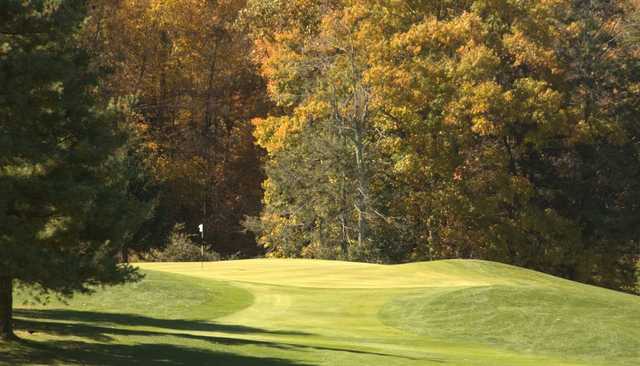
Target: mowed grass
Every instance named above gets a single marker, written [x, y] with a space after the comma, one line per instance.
[306, 312]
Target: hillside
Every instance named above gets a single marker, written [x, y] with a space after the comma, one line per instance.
[307, 312]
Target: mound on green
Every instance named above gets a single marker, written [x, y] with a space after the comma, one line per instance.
[159, 295]
[538, 320]
[307, 312]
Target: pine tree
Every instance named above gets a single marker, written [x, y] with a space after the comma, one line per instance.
[65, 209]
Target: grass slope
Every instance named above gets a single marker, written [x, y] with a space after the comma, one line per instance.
[306, 312]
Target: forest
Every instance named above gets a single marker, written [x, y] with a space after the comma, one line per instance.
[381, 131]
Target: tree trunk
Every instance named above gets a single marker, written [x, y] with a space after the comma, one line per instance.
[346, 240]
[124, 255]
[6, 308]
[361, 202]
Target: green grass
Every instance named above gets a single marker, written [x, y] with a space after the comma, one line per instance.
[305, 312]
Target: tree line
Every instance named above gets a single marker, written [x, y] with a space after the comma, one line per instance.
[419, 130]
[380, 131]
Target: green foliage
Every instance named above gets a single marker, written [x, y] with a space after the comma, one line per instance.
[305, 211]
[65, 207]
[154, 228]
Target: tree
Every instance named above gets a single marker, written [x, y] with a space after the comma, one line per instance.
[517, 122]
[196, 90]
[65, 207]
[503, 130]
[324, 166]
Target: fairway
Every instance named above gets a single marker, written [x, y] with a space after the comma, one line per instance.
[308, 312]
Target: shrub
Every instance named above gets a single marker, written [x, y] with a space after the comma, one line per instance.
[182, 248]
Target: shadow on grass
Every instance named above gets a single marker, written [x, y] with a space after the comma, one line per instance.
[144, 321]
[105, 327]
[82, 353]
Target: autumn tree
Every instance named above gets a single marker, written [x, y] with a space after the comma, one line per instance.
[196, 90]
[504, 129]
[324, 169]
[516, 119]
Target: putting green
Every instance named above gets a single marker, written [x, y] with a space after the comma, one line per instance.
[308, 312]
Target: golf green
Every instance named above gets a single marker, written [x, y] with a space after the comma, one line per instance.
[310, 312]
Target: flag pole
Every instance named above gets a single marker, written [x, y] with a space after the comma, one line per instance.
[201, 229]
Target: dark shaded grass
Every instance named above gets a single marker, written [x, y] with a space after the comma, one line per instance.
[83, 353]
[131, 320]
[102, 332]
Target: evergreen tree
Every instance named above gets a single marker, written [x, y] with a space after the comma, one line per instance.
[65, 206]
